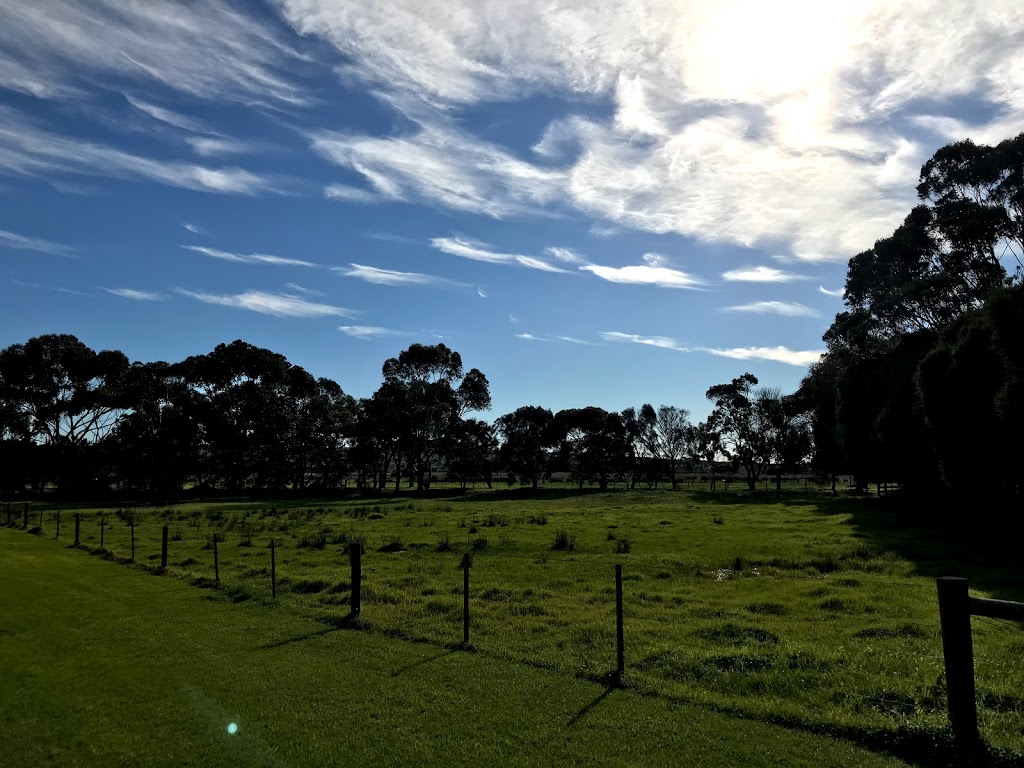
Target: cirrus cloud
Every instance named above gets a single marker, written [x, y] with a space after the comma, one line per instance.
[277, 304]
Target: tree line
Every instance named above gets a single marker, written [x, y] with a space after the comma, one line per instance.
[242, 419]
[922, 383]
[923, 380]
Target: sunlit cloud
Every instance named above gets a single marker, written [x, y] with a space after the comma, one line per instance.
[351, 194]
[304, 291]
[369, 331]
[211, 146]
[784, 308]
[481, 292]
[392, 277]
[567, 255]
[195, 229]
[210, 49]
[789, 128]
[133, 294]
[477, 251]
[655, 271]
[663, 342]
[775, 354]
[15, 242]
[45, 287]
[761, 275]
[169, 116]
[836, 294]
[29, 149]
[277, 304]
[248, 258]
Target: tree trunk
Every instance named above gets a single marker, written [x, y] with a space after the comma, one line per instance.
[398, 472]
[751, 483]
[778, 483]
[833, 485]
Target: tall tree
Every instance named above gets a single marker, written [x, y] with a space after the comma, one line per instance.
[741, 425]
[528, 437]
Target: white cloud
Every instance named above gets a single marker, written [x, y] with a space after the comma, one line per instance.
[352, 194]
[209, 146]
[277, 304]
[789, 129]
[369, 331]
[248, 258]
[195, 229]
[28, 149]
[663, 342]
[16, 242]
[655, 271]
[392, 277]
[210, 49]
[784, 308]
[598, 231]
[45, 287]
[169, 116]
[775, 354]
[441, 164]
[761, 275]
[131, 293]
[304, 291]
[529, 337]
[573, 340]
[568, 255]
[513, 319]
[481, 292]
[838, 293]
[477, 251]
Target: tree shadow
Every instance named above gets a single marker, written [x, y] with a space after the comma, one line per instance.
[943, 542]
[299, 638]
[402, 670]
[592, 705]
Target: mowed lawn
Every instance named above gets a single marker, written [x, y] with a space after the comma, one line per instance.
[801, 608]
[106, 665]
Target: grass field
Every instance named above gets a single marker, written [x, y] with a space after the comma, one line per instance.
[106, 666]
[800, 609]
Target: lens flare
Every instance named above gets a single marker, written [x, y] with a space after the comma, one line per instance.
[233, 728]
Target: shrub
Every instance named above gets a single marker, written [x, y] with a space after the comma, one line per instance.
[444, 544]
[478, 543]
[316, 540]
[622, 547]
[564, 542]
[393, 544]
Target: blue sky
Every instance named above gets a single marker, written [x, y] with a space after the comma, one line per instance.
[594, 202]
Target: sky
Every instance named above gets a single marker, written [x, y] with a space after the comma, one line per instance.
[595, 202]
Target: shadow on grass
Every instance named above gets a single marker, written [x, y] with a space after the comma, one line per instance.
[299, 638]
[591, 706]
[402, 670]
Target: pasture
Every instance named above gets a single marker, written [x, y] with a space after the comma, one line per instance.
[801, 609]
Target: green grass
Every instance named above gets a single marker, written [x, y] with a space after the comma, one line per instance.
[105, 665]
[805, 609]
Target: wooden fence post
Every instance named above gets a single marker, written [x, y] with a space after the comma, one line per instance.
[103, 528]
[25, 515]
[163, 551]
[273, 571]
[216, 560]
[133, 539]
[958, 652]
[78, 528]
[466, 562]
[355, 551]
[620, 645]
[40, 521]
[57, 536]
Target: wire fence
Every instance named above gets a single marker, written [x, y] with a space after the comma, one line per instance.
[830, 647]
